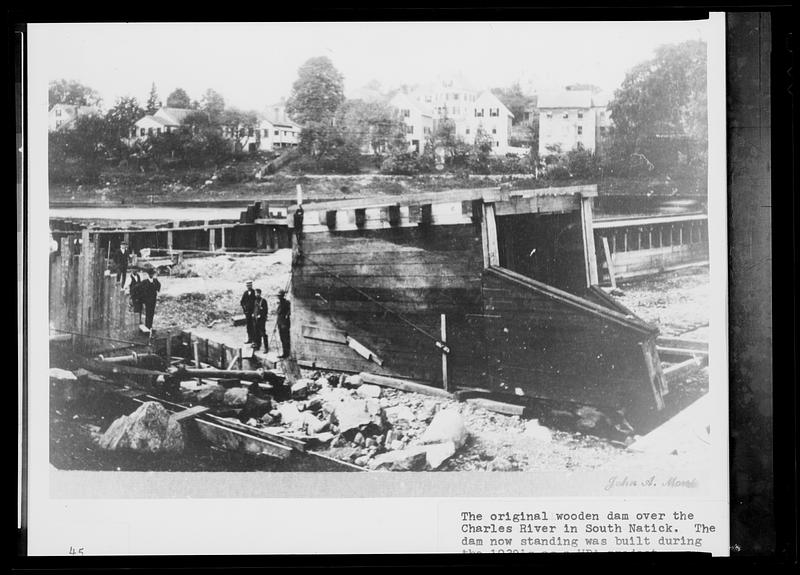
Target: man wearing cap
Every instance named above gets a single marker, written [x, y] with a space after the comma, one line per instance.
[147, 290]
[284, 322]
[121, 258]
[248, 298]
[260, 312]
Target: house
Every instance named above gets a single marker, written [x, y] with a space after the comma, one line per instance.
[485, 288]
[266, 135]
[63, 116]
[417, 120]
[163, 120]
[494, 118]
[570, 119]
[456, 99]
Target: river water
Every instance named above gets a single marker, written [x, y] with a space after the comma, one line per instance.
[148, 213]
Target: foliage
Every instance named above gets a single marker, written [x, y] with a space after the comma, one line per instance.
[575, 164]
[317, 93]
[124, 115]
[213, 104]
[480, 153]
[371, 125]
[515, 100]
[179, 99]
[660, 115]
[153, 103]
[72, 92]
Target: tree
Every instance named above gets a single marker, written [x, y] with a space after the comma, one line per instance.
[515, 100]
[240, 123]
[179, 99]
[72, 92]
[660, 114]
[317, 93]
[371, 124]
[125, 113]
[153, 103]
[213, 104]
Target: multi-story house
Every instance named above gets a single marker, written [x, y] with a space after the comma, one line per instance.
[494, 118]
[572, 119]
[63, 116]
[417, 119]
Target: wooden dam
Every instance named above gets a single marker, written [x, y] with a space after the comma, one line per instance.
[470, 289]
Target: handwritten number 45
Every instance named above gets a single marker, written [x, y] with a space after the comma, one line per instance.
[75, 551]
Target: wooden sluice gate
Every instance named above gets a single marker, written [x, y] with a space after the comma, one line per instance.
[493, 289]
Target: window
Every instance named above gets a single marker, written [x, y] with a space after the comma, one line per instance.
[496, 144]
[580, 115]
[455, 96]
[158, 130]
[149, 131]
[494, 130]
[566, 115]
[549, 114]
[266, 133]
[602, 130]
[58, 112]
[58, 123]
[406, 113]
[250, 132]
[479, 113]
[277, 132]
[494, 112]
[580, 130]
[142, 131]
[467, 130]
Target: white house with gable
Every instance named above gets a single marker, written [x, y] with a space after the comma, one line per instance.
[417, 120]
[571, 118]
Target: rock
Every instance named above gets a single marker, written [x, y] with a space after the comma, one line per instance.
[426, 412]
[396, 444]
[314, 404]
[211, 395]
[352, 381]
[362, 460]
[352, 414]
[411, 459]
[535, 430]
[301, 388]
[359, 439]
[61, 374]
[447, 425]
[323, 437]
[311, 424]
[252, 422]
[400, 413]
[235, 397]
[369, 391]
[289, 413]
[333, 379]
[256, 407]
[437, 453]
[267, 419]
[501, 464]
[150, 428]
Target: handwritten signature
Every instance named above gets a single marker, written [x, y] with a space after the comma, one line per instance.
[617, 481]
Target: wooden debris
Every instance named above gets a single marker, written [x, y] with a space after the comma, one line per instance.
[497, 406]
[404, 385]
[189, 413]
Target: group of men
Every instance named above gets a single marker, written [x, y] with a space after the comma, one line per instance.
[256, 310]
[143, 291]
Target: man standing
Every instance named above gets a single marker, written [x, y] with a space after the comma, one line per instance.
[148, 290]
[260, 312]
[121, 258]
[136, 300]
[248, 297]
[284, 322]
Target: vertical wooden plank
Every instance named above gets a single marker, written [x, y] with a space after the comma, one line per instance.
[222, 239]
[445, 378]
[610, 262]
[196, 350]
[491, 235]
[590, 255]
[654, 373]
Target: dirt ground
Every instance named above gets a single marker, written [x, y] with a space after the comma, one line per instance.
[203, 296]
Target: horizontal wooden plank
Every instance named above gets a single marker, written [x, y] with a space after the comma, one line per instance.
[330, 335]
[404, 385]
[497, 406]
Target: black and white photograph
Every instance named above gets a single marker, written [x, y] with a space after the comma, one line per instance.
[386, 260]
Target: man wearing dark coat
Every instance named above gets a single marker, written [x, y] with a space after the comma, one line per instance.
[147, 290]
[248, 297]
[260, 313]
[284, 322]
[121, 258]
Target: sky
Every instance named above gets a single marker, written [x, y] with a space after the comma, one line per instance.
[254, 65]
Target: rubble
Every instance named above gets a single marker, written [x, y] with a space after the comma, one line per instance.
[235, 397]
[447, 426]
[368, 391]
[150, 428]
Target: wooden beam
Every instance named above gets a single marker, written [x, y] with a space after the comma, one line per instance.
[492, 250]
[445, 378]
[610, 263]
[404, 385]
[190, 413]
[675, 372]
[497, 406]
[654, 372]
[590, 254]
[363, 351]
